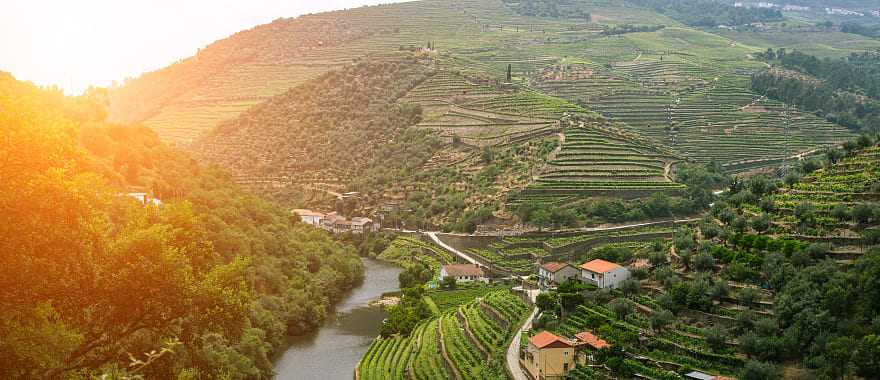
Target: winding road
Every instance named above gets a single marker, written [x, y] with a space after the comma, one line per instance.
[513, 367]
[465, 256]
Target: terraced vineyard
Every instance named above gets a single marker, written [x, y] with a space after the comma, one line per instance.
[596, 161]
[520, 254]
[459, 341]
[672, 348]
[720, 121]
[847, 183]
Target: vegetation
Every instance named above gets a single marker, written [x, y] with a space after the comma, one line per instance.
[710, 13]
[214, 279]
[844, 91]
[460, 333]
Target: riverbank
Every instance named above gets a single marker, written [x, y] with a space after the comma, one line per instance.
[334, 350]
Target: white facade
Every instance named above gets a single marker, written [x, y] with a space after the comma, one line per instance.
[454, 271]
[608, 279]
[547, 277]
[309, 216]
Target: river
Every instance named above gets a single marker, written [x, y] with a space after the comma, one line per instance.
[333, 351]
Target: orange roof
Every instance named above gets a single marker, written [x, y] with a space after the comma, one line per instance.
[546, 338]
[599, 266]
[588, 338]
[554, 266]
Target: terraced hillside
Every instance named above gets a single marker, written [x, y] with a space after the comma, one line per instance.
[467, 342]
[324, 131]
[832, 195]
[601, 161]
[520, 255]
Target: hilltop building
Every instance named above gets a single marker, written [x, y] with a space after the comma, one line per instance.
[603, 274]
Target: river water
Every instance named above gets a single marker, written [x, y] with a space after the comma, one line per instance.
[333, 351]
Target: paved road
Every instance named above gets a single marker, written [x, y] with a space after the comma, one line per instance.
[513, 350]
[466, 257]
[433, 234]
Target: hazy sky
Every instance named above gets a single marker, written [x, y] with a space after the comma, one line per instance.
[76, 43]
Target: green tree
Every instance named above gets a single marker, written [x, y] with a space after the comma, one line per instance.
[660, 319]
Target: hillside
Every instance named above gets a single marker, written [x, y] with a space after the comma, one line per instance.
[187, 276]
[266, 104]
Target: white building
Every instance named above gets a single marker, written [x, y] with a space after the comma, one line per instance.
[360, 225]
[145, 199]
[463, 272]
[603, 274]
[336, 223]
[309, 217]
[556, 273]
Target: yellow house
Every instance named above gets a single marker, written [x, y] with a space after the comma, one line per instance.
[548, 356]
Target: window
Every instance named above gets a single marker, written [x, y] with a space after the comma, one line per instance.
[565, 366]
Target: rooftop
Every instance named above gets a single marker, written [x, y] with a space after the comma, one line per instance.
[545, 338]
[588, 338]
[600, 266]
[554, 266]
[463, 270]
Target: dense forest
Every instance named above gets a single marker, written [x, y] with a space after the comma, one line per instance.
[206, 284]
[709, 13]
[845, 91]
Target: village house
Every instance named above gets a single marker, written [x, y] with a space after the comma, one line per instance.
[547, 356]
[335, 223]
[586, 344]
[309, 217]
[603, 274]
[556, 273]
[463, 272]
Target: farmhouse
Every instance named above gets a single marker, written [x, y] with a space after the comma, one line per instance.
[309, 216]
[463, 272]
[603, 274]
[556, 273]
[547, 356]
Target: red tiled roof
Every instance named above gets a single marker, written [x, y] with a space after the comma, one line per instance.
[546, 338]
[600, 266]
[554, 266]
[463, 270]
[588, 338]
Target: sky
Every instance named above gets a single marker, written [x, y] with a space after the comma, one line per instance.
[77, 43]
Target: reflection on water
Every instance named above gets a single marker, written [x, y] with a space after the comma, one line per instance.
[333, 351]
